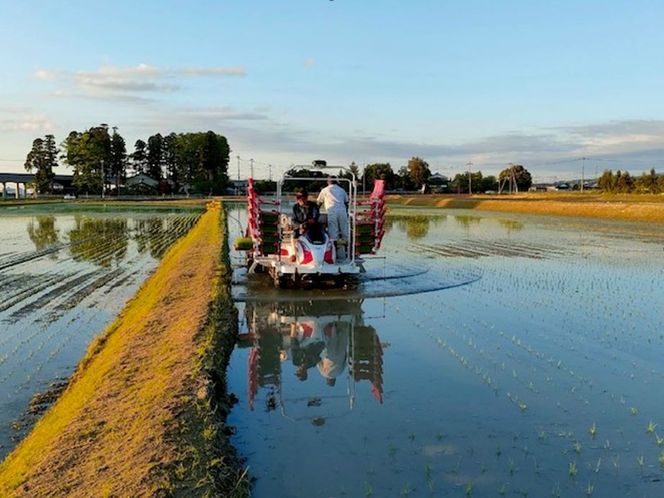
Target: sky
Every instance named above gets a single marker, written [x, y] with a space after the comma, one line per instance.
[537, 83]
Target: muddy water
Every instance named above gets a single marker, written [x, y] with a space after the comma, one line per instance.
[65, 273]
[539, 373]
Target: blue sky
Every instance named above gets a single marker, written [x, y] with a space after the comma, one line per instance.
[534, 82]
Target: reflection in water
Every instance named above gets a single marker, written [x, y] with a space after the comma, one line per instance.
[149, 236]
[416, 227]
[320, 338]
[43, 234]
[467, 220]
[100, 241]
[511, 225]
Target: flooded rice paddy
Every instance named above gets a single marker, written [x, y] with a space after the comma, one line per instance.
[524, 357]
[65, 273]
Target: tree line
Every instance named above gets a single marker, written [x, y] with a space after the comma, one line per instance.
[417, 172]
[622, 182]
[193, 162]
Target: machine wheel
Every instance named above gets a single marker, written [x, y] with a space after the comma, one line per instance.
[350, 282]
[280, 281]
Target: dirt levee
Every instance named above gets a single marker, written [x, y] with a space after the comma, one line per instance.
[617, 207]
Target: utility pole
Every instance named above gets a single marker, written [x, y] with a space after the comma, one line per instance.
[470, 181]
[238, 168]
[583, 171]
[269, 172]
[103, 179]
[251, 162]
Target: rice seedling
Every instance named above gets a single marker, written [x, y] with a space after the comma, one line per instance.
[512, 467]
[650, 429]
[659, 440]
[555, 491]
[368, 490]
[572, 470]
[468, 490]
[593, 430]
[590, 489]
[577, 447]
[661, 458]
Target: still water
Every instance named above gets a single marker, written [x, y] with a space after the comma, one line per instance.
[524, 357]
[65, 273]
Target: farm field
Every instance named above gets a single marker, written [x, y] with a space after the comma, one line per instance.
[65, 273]
[488, 355]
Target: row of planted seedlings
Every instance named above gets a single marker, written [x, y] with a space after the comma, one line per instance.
[479, 327]
[111, 247]
[72, 293]
[519, 440]
[59, 330]
[66, 271]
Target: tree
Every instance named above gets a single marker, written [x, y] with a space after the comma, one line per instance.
[380, 171]
[607, 182]
[624, 183]
[42, 158]
[517, 172]
[155, 155]
[647, 182]
[418, 171]
[478, 182]
[139, 158]
[201, 161]
[89, 154]
[118, 161]
[170, 159]
[402, 179]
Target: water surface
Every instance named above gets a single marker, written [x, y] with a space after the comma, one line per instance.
[65, 273]
[541, 375]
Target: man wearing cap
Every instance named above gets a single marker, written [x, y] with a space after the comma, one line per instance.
[305, 214]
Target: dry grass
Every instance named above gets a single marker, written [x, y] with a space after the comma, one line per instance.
[118, 429]
[630, 207]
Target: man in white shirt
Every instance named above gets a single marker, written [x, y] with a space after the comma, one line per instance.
[335, 200]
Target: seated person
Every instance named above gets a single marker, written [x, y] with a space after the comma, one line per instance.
[305, 217]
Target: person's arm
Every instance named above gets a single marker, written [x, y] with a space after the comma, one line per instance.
[297, 214]
[321, 197]
[313, 213]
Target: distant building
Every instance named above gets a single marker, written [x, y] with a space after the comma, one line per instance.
[438, 182]
[142, 180]
[237, 187]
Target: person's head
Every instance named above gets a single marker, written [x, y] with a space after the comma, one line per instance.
[301, 197]
[301, 372]
[331, 180]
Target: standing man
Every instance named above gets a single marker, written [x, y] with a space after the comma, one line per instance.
[335, 200]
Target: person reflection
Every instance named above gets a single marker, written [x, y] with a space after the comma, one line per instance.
[306, 347]
[335, 353]
[328, 336]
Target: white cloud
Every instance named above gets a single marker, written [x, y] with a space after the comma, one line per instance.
[114, 83]
[37, 123]
[45, 74]
[310, 62]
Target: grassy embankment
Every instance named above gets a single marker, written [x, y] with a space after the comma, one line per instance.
[144, 412]
[628, 207]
